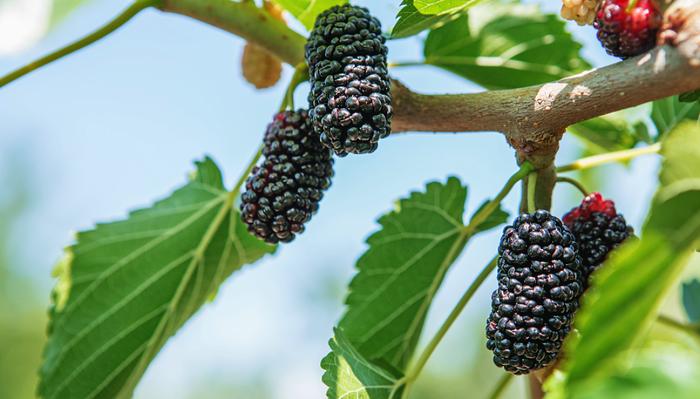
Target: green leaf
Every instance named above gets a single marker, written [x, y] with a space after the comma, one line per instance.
[612, 132]
[349, 375]
[411, 22]
[504, 46]
[689, 97]
[497, 218]
[691, 300]
[430, 7]
[669, 112]
[390, 296]
[661, 371]
[306, 11]
[681, 152]
[401, 272]
[126, 287]
[638, 274]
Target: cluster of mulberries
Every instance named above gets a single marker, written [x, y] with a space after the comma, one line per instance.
[283, 192]
[544, 266]
[350, 100]
[540, 280]
[583, 12]
[598, 229]
[627, 30]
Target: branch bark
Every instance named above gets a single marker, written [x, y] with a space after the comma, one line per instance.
[534, 118]
[247, 21]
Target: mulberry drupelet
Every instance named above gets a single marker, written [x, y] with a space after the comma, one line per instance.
[598, 230]
[284, 191]
[539, 285]
[350, 99]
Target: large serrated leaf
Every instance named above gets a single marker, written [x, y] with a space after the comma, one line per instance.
[306, 11]
[628, 289]
[125, 287]
[349, 375]
[500, 46]
[398, 278]
[401, 272]
[410, 21]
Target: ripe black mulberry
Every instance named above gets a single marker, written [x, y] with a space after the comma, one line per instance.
[283, 192]
[350, 99]
[598, 230]
[539, 285]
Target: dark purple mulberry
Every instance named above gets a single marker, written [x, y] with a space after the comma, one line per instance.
[539, 285]
[350, 99]
[283, 192]
[598, 230]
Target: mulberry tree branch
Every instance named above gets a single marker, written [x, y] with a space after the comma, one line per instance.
[534, 118]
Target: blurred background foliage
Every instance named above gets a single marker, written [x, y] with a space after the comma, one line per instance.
[306, 296]
[22, 304]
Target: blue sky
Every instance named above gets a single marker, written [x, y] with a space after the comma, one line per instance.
[117, 125]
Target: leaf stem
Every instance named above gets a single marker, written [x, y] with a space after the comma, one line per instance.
[525, 169]
[117, 22]
[244, 176]
[531, 186]
[573, 182]
[501, 386]
[687, 327]
[413, 373]
[400, 64]
[301, 74]
[597, 160]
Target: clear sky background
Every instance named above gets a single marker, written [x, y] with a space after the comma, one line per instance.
[117, 126]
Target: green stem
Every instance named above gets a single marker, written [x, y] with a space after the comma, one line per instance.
[525, 169]
[110, 27]
[301, 74]
[531, 186]
[502, 384]
[244, 176]
[406, 64]
[688, 328]
[573, 182]
[597, 160]
[413, 373]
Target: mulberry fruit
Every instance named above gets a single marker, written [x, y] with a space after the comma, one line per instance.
[539, 286]
[626, 31]
[598, 229]
[581, 11]
[283, 192]
[350, 99]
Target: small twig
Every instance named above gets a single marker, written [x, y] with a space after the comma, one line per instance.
[414, 371]
[573, 182]
[110, 27]
[525, 169]
[618, 156]
[686, 327]
[501, 386]
[531, 187]
[301, 74]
